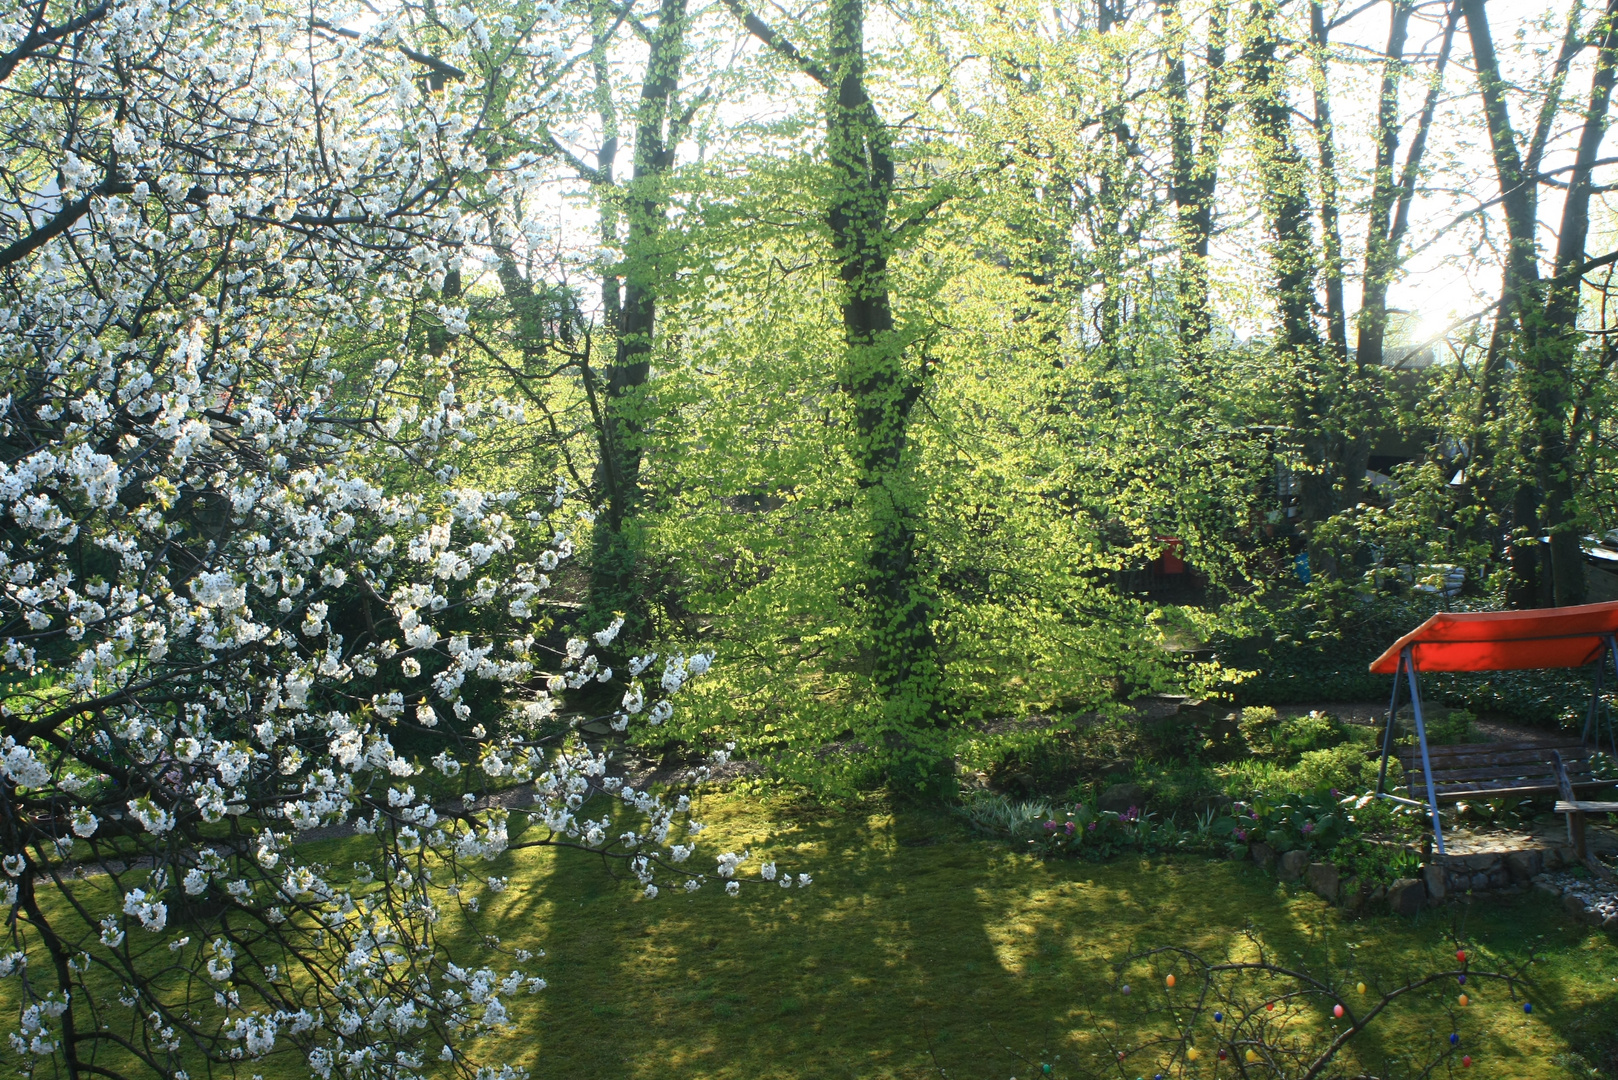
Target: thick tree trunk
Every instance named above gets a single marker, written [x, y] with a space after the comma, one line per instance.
[1545, 333]
[1285, 178]
[1331, 234]
[643, 202]
[881, 391]
[1551, 373]
[1518, 287]
[1381, 249]
[1317, 393]
[1195, 176]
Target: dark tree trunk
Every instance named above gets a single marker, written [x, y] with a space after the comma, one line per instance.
[880, 388]
[1195, 176]
[1317, 393]
[1380, 256]
[643, 202]
[1331, 235]
[1543, 334]
[1552, 370]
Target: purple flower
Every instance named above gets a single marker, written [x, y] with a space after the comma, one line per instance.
[1092, 826]
[1051, 826]
[1070, 828]
[1241, 834]
[1308, 827]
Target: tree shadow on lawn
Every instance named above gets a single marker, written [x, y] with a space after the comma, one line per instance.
[965, 956]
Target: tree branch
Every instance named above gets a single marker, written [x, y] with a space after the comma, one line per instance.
[765, 33]
[62, 222]
[26, 47]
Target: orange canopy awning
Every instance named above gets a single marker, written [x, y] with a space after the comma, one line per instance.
[1562, 637]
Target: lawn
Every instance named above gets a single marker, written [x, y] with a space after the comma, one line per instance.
[921, 951]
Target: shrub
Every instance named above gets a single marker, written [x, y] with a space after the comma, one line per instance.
[1454, 726]
[1314, 731]
[1344, 767]
[1270, 735]
[1258, 725]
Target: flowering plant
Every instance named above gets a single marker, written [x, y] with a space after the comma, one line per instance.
[1312, 822]
[245, 591]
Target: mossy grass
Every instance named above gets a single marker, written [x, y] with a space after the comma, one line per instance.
[921, 947]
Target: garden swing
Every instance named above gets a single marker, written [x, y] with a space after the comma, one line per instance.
[1567, 637]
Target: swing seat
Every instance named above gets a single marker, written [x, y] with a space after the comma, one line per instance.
[1495, 770]
[1568, 637]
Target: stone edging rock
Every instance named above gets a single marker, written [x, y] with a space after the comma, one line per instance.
[1447, 877]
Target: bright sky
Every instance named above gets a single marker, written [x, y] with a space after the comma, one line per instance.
[1454, 267]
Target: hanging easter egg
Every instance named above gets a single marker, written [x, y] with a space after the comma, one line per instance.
[1219, 1017]
[1045, 1068]
[1252, 1055]
[1169, 981]
[1126, 988]
[1361, 988]
[1527, 1006]
[1460, 954]
[1269, 1006]
[1466, 1062]
[1337, 1011]
[1454, 1040]
[1191, 1054]
[1461, 979]
[1463, 1001]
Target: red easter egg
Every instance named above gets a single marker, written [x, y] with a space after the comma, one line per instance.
[1460, 955]
[1466, 1062]
[1337, 1010]
[1270, 1005]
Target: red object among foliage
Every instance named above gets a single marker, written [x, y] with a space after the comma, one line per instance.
[1565, 637]
[1173, 557]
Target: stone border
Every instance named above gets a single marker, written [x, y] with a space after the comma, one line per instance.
[1586, 900]
[1448, 877]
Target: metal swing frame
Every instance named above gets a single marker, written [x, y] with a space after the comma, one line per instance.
[1407, 670]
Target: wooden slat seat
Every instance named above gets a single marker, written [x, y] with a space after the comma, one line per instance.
[1494, 770]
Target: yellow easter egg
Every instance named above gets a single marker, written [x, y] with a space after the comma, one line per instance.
[1191, 1054]
[1252, 1055]
[1362, 988]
